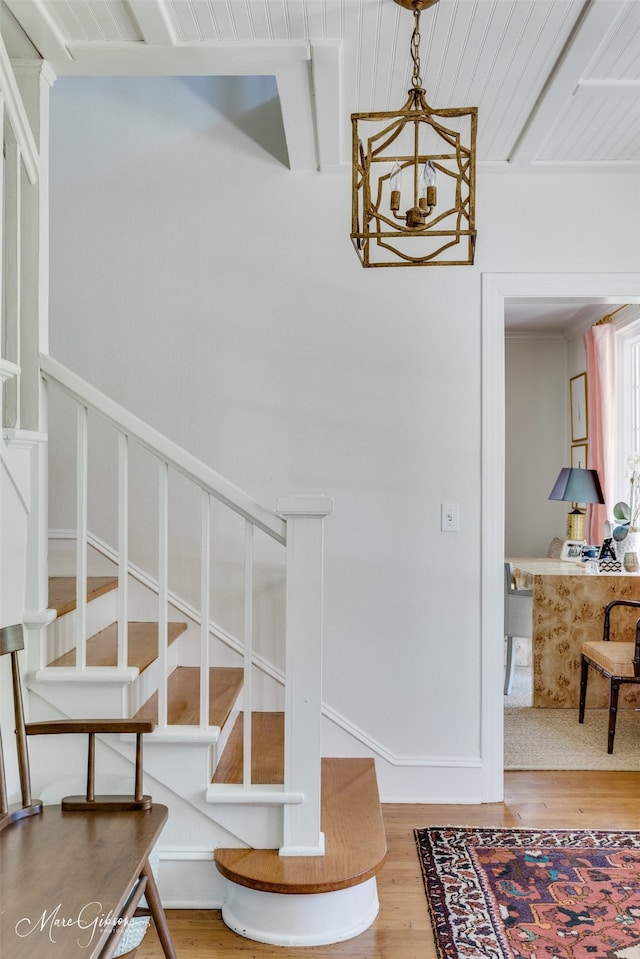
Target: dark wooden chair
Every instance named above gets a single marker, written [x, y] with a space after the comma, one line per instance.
[619, 662]
[11, 643]
[107, 838]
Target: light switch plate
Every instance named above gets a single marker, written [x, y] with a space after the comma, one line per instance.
[450, 517]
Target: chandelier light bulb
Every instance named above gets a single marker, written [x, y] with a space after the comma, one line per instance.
[428, 191]
[429, 174]
[395, 179]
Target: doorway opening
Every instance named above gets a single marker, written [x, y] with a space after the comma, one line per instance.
[499, 291]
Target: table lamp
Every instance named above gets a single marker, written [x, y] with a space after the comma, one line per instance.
[577, 486]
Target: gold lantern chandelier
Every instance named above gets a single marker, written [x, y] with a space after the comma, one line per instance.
[414, 178]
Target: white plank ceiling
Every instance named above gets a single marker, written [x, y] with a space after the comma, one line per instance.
[555, 81]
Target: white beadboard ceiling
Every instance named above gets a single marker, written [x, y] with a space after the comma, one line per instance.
[555, 81]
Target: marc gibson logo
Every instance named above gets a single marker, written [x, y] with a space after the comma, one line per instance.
[90, 921]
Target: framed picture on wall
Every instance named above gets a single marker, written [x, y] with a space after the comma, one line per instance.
[578, 396]
[579, 456]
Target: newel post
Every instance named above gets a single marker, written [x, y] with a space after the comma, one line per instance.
[303, 669]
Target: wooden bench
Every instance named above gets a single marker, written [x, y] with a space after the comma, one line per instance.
[73, 874]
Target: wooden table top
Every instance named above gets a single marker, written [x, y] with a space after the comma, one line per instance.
[549, 567]
[65, 877]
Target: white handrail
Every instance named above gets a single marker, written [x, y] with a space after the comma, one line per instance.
[165, 449]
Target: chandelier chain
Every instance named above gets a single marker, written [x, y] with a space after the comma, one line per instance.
[416, 79]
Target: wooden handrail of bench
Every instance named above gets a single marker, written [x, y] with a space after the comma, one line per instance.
[106, 803]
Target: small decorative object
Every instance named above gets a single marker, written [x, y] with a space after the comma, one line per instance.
[607, 550]
[414, 178]
[631, 562]
[626, 532]
[589, 552]
[609, 566]
[572, 550]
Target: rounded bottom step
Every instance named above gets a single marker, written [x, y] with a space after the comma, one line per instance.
[315, 919]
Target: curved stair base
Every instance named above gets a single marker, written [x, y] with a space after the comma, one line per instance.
[319, 919]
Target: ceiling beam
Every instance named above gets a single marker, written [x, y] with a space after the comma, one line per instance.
[597, 20]
[35, 19]
[326, 75]
[294, 91]
[193, 58]
[154, 20]
[608, 88]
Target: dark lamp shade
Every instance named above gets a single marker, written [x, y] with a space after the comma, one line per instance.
[577, 486]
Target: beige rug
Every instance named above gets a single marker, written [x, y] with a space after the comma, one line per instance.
[554, 739]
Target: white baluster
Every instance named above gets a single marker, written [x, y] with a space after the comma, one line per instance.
[11, 252]
[3, 221]
[82, 462]
[248, 652]
[163, 589]
[123, 550]
[205, 606]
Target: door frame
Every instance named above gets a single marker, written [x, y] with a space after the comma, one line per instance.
[497, 290]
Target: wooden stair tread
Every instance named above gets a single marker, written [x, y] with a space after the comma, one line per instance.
[102, 649]
[267, 761]
[183, 691]
[355, 842]
[62, 591]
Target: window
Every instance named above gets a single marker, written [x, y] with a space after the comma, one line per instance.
[627, 400]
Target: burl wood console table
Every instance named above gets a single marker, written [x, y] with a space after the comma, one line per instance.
[568, 606]
[65, 879]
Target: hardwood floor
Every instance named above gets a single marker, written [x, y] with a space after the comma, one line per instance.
[602, 800]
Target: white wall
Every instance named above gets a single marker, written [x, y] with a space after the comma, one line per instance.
[216, 294]
[537, 441]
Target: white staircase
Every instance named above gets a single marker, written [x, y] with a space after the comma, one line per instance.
[199, 774]
[245, 599]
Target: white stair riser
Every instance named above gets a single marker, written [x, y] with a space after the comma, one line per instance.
[298, 920]
[260, 827]
[146, 684]
[78, 700]
[182, 767]
[226, 731]
[190, 882]
[61, 634]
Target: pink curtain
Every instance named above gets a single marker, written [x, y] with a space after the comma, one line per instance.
[599, 347]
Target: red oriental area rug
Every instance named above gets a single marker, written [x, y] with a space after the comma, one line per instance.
[532, 893]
